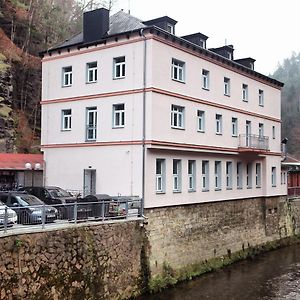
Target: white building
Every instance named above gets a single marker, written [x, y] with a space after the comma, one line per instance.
[130, 108]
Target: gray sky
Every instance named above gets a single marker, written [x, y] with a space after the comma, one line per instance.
[266, 30]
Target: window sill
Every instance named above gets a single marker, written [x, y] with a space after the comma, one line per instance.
[177, 80]
[201, 131]
[227, 95]
[65, 130]
[159, 193]
[234, 136]
[191, 191]
[205, 89]
[260, 105]
[258, 187]
[244, 100]
[118, 127]
[65, 86]
[116, 78]
[217, 133]
[239, 188]
[90, 82]
[274, 186]
[229, 189]
[218, 189]
[90, 141]
[205, 190]
[249, 187]
[180, 128]
[176, 192]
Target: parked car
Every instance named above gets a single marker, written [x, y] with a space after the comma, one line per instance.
[11, 216]
[28, 207]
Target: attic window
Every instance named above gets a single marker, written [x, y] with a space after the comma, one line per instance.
[202, 43]
[170, 28]
[251, 65]
[229, 55]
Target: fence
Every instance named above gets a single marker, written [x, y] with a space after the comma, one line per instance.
[254, 141]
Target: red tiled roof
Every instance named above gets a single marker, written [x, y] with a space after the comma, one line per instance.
[17, 161]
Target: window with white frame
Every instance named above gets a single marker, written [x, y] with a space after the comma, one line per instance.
[245, 92]
[160, 175]
[273, 132]
[119, 67]
[261, 132]
[201, 120]
[249, 175]
[205, 175]
[118, 115]
[176, 175]
[192, 175]
[202, 43]
[234, 127]
[66, 119]
[67, 76]
[177, 116]
[205, 79]
[226, 86]
[218, 177]
[273, 176]
[283, 177]
[91, 123]
[178, 70]
[239, 175]
[91, 72]
[219, 124]
[228, 175]
[170, 28]
[258, 175]
[261, 97]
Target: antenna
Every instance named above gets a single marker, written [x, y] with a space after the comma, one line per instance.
[225, 42]
[129, 7]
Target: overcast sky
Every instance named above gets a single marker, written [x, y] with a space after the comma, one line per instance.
[266, 30]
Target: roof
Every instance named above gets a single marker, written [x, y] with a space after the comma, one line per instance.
[17, 161]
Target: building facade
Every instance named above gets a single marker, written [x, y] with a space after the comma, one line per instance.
[130, 108]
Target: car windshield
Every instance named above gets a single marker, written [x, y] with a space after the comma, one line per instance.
[28, 200]
[58, 193]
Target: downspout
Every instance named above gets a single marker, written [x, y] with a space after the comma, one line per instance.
[144, 122]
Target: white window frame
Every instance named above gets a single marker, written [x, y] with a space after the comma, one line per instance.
[91, 72]
[178, 70]
[261, 97]
[170, 28]
[273, 176]
[226, 86]
[119, 67]
[219, 124]
[119, 115]
[245, 92]
[91, 127]
[234, 127]
[260, 130]
[258, 175]
[66, 119]
[67, 76]
[205, 175]
[177, 116]
[218, 175]
[239, 175]
[201, 120]
[160, 175]
[205, 79]
[191, 175]
[229, 175]
[249, 175]
[176, 175]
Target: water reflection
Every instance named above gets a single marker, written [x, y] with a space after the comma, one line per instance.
[274, 275]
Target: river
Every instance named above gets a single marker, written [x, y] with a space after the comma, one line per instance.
[273, 275]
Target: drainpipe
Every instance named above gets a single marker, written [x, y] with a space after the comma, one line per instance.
[284, 148]
[144, 121]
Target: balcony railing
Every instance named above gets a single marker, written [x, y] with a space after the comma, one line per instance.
[253, 142]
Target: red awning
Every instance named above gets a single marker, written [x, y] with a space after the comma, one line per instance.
[17, 161]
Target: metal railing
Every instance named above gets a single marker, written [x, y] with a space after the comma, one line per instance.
[294, 191]
[253, 141]
[46, 216]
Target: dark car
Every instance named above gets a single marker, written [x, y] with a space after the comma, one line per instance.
[29, 208]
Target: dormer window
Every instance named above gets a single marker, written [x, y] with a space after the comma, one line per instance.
[229, 55]
[202, 43]
[170, 28]
[251, 65]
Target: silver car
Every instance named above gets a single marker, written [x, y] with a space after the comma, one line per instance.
[11, 216]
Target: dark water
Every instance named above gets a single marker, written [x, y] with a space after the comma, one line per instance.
[274, 275]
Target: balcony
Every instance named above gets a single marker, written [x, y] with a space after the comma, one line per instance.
[253, 143]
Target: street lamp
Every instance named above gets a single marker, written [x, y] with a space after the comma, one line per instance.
[36, 167]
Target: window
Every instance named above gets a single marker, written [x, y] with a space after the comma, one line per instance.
[226, 86]
[170, 28]
[119, 67]
[273, 132]
[218, 182]
[261, 98]
[234, 126]
[201, 120]
[66, 116]
[118, 115]
[192, 175]
[91, 123]
[260, 130]
[202, 43]
[178, 70]
[160, 175]
[205, 175]
[67, 77]
[205, 79]
[177, 116]
[245, 92]
[239, 175]
[218, 124]
[273, 176]
[91, 72]
[176, 175]
[249, 176]
[258, 175]
[229, 175]
[283, 177]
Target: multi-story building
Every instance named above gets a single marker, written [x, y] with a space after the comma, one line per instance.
[130, 108]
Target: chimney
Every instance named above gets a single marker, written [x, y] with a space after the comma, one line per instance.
[95, 25]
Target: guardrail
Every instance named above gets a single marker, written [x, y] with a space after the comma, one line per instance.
[253, 141]
[45, 216]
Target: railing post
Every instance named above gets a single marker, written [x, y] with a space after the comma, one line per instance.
[75, 212]
[43, 216]
[5, 219]
[126, 208]
[102, 210]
